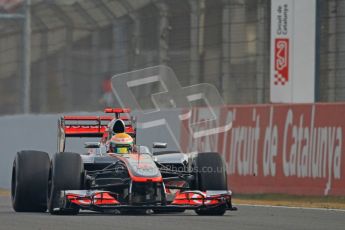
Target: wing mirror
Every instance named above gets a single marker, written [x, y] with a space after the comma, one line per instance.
[159, 145]
[92, 145]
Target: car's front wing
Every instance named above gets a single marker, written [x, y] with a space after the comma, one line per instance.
[102, 201]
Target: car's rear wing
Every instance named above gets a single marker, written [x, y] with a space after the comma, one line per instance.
[90, 126]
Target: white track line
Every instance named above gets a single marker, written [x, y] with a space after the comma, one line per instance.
[288, 207]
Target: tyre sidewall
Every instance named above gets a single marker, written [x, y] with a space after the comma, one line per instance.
[29, 181]
[211, 172]
[66, 173]
[210, 175]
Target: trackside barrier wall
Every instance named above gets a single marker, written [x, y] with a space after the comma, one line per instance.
[24, 132]
[290, 149]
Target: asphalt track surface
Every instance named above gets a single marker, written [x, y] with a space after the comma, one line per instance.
[247, 217]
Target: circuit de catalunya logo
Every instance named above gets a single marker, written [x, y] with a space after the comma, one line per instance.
[281, 61]
[281, 148]
[171, 95]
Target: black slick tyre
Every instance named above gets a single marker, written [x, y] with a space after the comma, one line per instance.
[66, 173]
[210, 175]
[29, 181]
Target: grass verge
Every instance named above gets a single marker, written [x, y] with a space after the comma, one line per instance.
[4, 192]
[330, 202]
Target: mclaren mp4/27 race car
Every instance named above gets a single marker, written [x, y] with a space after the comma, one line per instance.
[119, 179]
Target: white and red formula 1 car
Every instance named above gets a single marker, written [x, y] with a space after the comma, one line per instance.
[103, 181]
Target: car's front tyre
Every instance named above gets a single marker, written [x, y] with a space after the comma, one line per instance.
[210, 175]
[66, 173]
[29, 181]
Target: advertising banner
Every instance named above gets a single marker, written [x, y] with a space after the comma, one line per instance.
[289, 149]
[293, 37]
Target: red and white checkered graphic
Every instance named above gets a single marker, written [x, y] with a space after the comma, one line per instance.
[281, 61]
[279, 79]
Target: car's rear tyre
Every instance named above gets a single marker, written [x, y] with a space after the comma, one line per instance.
[210, 175]
[66, 173]
[29, 181]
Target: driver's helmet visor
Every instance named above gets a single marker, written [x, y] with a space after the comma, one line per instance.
[120, 148]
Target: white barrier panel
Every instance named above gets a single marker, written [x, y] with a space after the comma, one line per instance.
[293, 39]
[24, 132]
